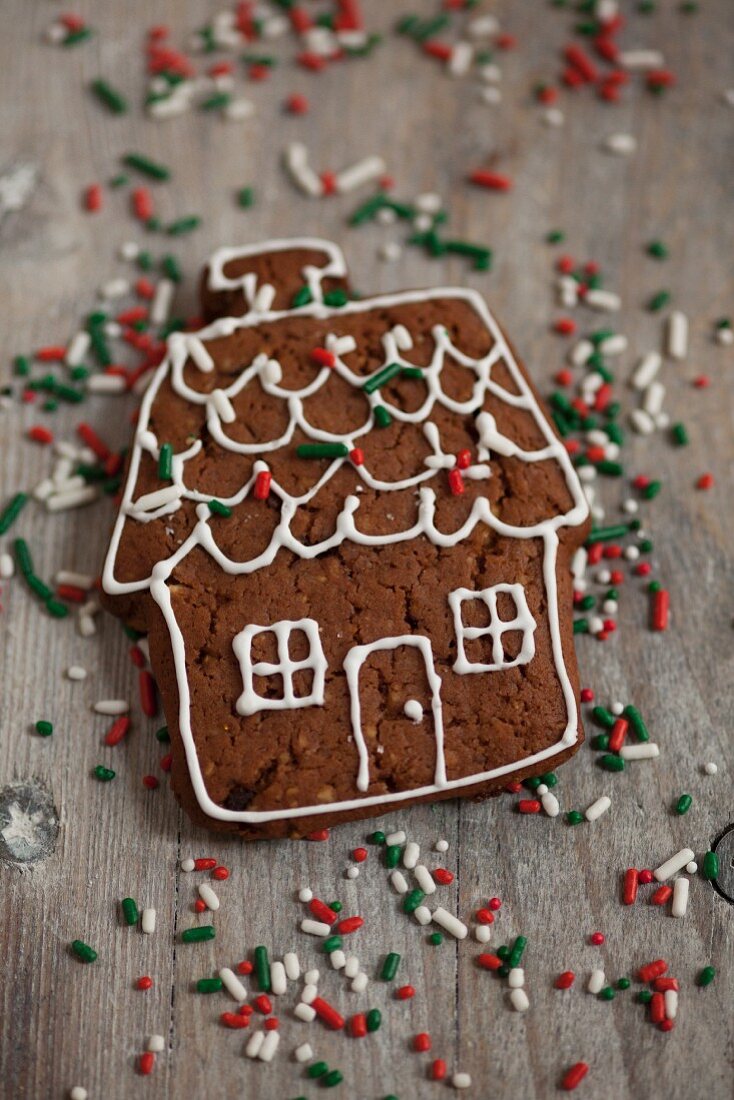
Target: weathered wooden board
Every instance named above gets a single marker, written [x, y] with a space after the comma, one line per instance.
[63, 1023]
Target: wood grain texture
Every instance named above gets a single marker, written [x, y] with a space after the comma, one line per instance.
[64, 1023]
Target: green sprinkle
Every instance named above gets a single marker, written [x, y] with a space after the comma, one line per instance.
[435, 939]
[44, 728]
[368, 210]
[644, 997]
[209, 985]
[586, 603]
[199, 934]
[378, 837]
[121, 180]
[607, 993]
[37, 585]
[103, 774]
[624, 983]
[581, 626]
[651, 491]
[21, 365]
[302, 297]
[710, 866]
[392, 855]
[336, 906]
[130, 911]
[390, 966]
[503, 952]
[657, 250]
[216, 102]
[317, 1069]
[83, 951]
[533, 783]
[107, 95]
[683, 804]
[603, 717]
[611, 762]
[162, 734]
[600, 743]
[11, 511]
[245, 197]
[382, 416]
[574, 817]
[550, 779]
[516, 953]
[165, 462]
[706, 976]
[654, 586]
[333, 1077]
[607, 534]
[332, 943]
[374, 1019]
[145, 261]
[412, 372]
[74, 38]
[336, 298]
[659, 301]
[322, 450]
[556, 236]
[680, 434]
[262, 969]
[183, 225]
[147, 166]
[382, 376]
[171, 268]
[609, 469]
[218, 509]
[412, 900]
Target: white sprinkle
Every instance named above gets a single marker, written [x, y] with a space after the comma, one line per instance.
[149, 502]
[519, 1000]
[304, 1012]
[429, 202]
[386, 216]
[115, 288]
[232, 984]
[399, 883]
[641, 422]
[309, 994]
[85, 625]
[338, 959]
[614, 345]
[351, 967]
[7, 566]
[292, 966]
[305, 894]
[187, 865]
[490, 94]
[344, 345]
[724, 336]
[106, 383]
[483, 933]
[646, 750]
[156, 1044]
[671, 1002]
[554, 116]
[641, 59]
[76, 672]
[484, 26]
[352, 872]
[450, 923]
[710, 768]
[646, 370]
[147, 922]
[78, 348]
[395, 838]
[691, 867]
[490, 74]
[360, 173]
[269, 1046]
[223, 405]
[516, 978]
[461, 58]
[113, 708]
[390, 251]
[653, 397]
[72, 498]
[255, 1042]
[303, 1053]
[360, 983]
[581, 350]
[208, 896]
[78, 1092]
[311, 977]
[568, 291]
[424, 878]
[441, 846]
[129, 250]
[199, 354]
[315, 927]
[681, 887]
[238, 109]
[674, 864]
[596, 809]
[603, 299]
[677, 335]
[264, 298]
[79, 580]
[622, 145]
[411, 855]
[728, 96]
[423, 915]
[461, 1081]
[596, 981]
[162, 299]
[550, 804]
[296, 163]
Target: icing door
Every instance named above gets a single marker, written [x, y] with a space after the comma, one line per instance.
[396, 713]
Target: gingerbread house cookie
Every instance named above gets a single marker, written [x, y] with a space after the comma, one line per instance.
[347, 528]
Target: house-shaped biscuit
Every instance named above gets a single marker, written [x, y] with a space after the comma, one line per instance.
[347, 529]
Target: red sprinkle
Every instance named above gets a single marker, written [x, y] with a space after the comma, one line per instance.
[359, 855]
[662, 985]
[618, 734]
[200, 906]
[358, 1026]
[661, 895]
[148, 700]
[206, 863]
[40, 435]
[573, 1076]
[245, 1010]
[349, 924]
[117, 730]
[262, 485]
[272, 1024]
[529, 806]
[456, 482]
[137, 656]
[660, 609]
[297, 104]
[263, 1004]
[234, 1020]
[144, 983]
[357, 456]
[597, 938]
[146, 1062]
[422, 1042]
[652, 970]
[494, 904]
[629, 889]
[646, 877]
[442, 876]
[666, 1025]
[489, 962]
[705, 481]
[54, 353]
[405, 992]
[565, 980]
[92, 440]
[244, 967]
[142, 203]
[494, 181]
[587, 695]
[220, 873]
[322, 911]
[318, 834]
[327, 1013]
[150, 782]
[565, 326]
[582, 63]
[484, 916]
[93, 198]
[657, 1008]
[438, 1069]
[564, 377]
[323, 357]
[463, 460]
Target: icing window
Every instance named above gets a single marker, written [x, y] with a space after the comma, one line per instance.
[283, 666]
[494, 628]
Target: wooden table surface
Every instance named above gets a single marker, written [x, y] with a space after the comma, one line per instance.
[64, 1023]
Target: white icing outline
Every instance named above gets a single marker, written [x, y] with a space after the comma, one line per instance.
[523, 621]
[250, 701]
[201, 536]
[335, 267]
[353, 662]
